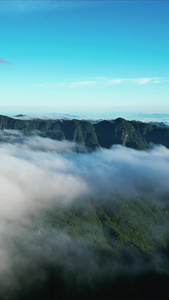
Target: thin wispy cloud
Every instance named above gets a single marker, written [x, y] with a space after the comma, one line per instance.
[134, 80]
[157, 81]
[28, 7]
[3, 62]
[114, 81]
[75, 84]
[101, 82]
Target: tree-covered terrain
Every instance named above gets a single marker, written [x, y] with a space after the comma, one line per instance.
[132, 134]
[112, 248]
[112, 225]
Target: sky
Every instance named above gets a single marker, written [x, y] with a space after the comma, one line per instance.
[88, 56]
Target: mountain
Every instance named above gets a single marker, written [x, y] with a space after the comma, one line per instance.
[111, 251]
[160, 124]
[104, 133]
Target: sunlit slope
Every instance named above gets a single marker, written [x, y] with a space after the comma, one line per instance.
[132, 134]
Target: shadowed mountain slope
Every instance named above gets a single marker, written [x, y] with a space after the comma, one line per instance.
[132, 134]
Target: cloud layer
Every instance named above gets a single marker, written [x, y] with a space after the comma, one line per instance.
[38, 173]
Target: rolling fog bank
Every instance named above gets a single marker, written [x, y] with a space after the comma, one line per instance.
[60, 210]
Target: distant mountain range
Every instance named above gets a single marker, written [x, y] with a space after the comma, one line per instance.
[109, 115]
[93, 134]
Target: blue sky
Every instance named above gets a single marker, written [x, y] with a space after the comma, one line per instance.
[84, 56]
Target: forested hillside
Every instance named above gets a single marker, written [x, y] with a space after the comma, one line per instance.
[132, 134]
[110, 250]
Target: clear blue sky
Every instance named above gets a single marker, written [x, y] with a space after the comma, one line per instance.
[76, 55]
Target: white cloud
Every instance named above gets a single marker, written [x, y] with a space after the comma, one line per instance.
[101, 82]
[115, 81]
[142, 80]
[81, 83]
[156, 81]
[75, 84]
[132, 80]
[38, 173]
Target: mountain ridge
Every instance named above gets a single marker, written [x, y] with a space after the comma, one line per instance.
[104, 133]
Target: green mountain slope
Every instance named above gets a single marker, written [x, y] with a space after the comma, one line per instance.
[112, 225]
[104, 133]
[107, 253]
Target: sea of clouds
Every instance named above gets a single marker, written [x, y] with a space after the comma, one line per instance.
[38, 173]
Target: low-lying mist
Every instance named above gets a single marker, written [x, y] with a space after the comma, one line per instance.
[41, 175]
